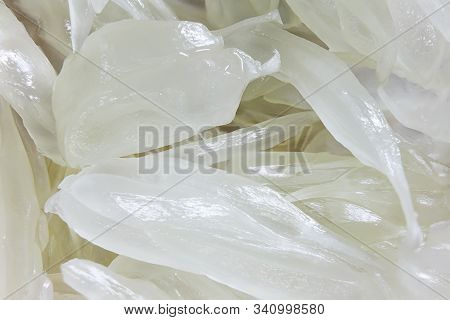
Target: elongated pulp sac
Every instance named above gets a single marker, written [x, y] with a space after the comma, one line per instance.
[228, 228]
[406, 39]
[158, 74]
[344, 106]
[26, 81]
[20, 255]
[130, 279]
